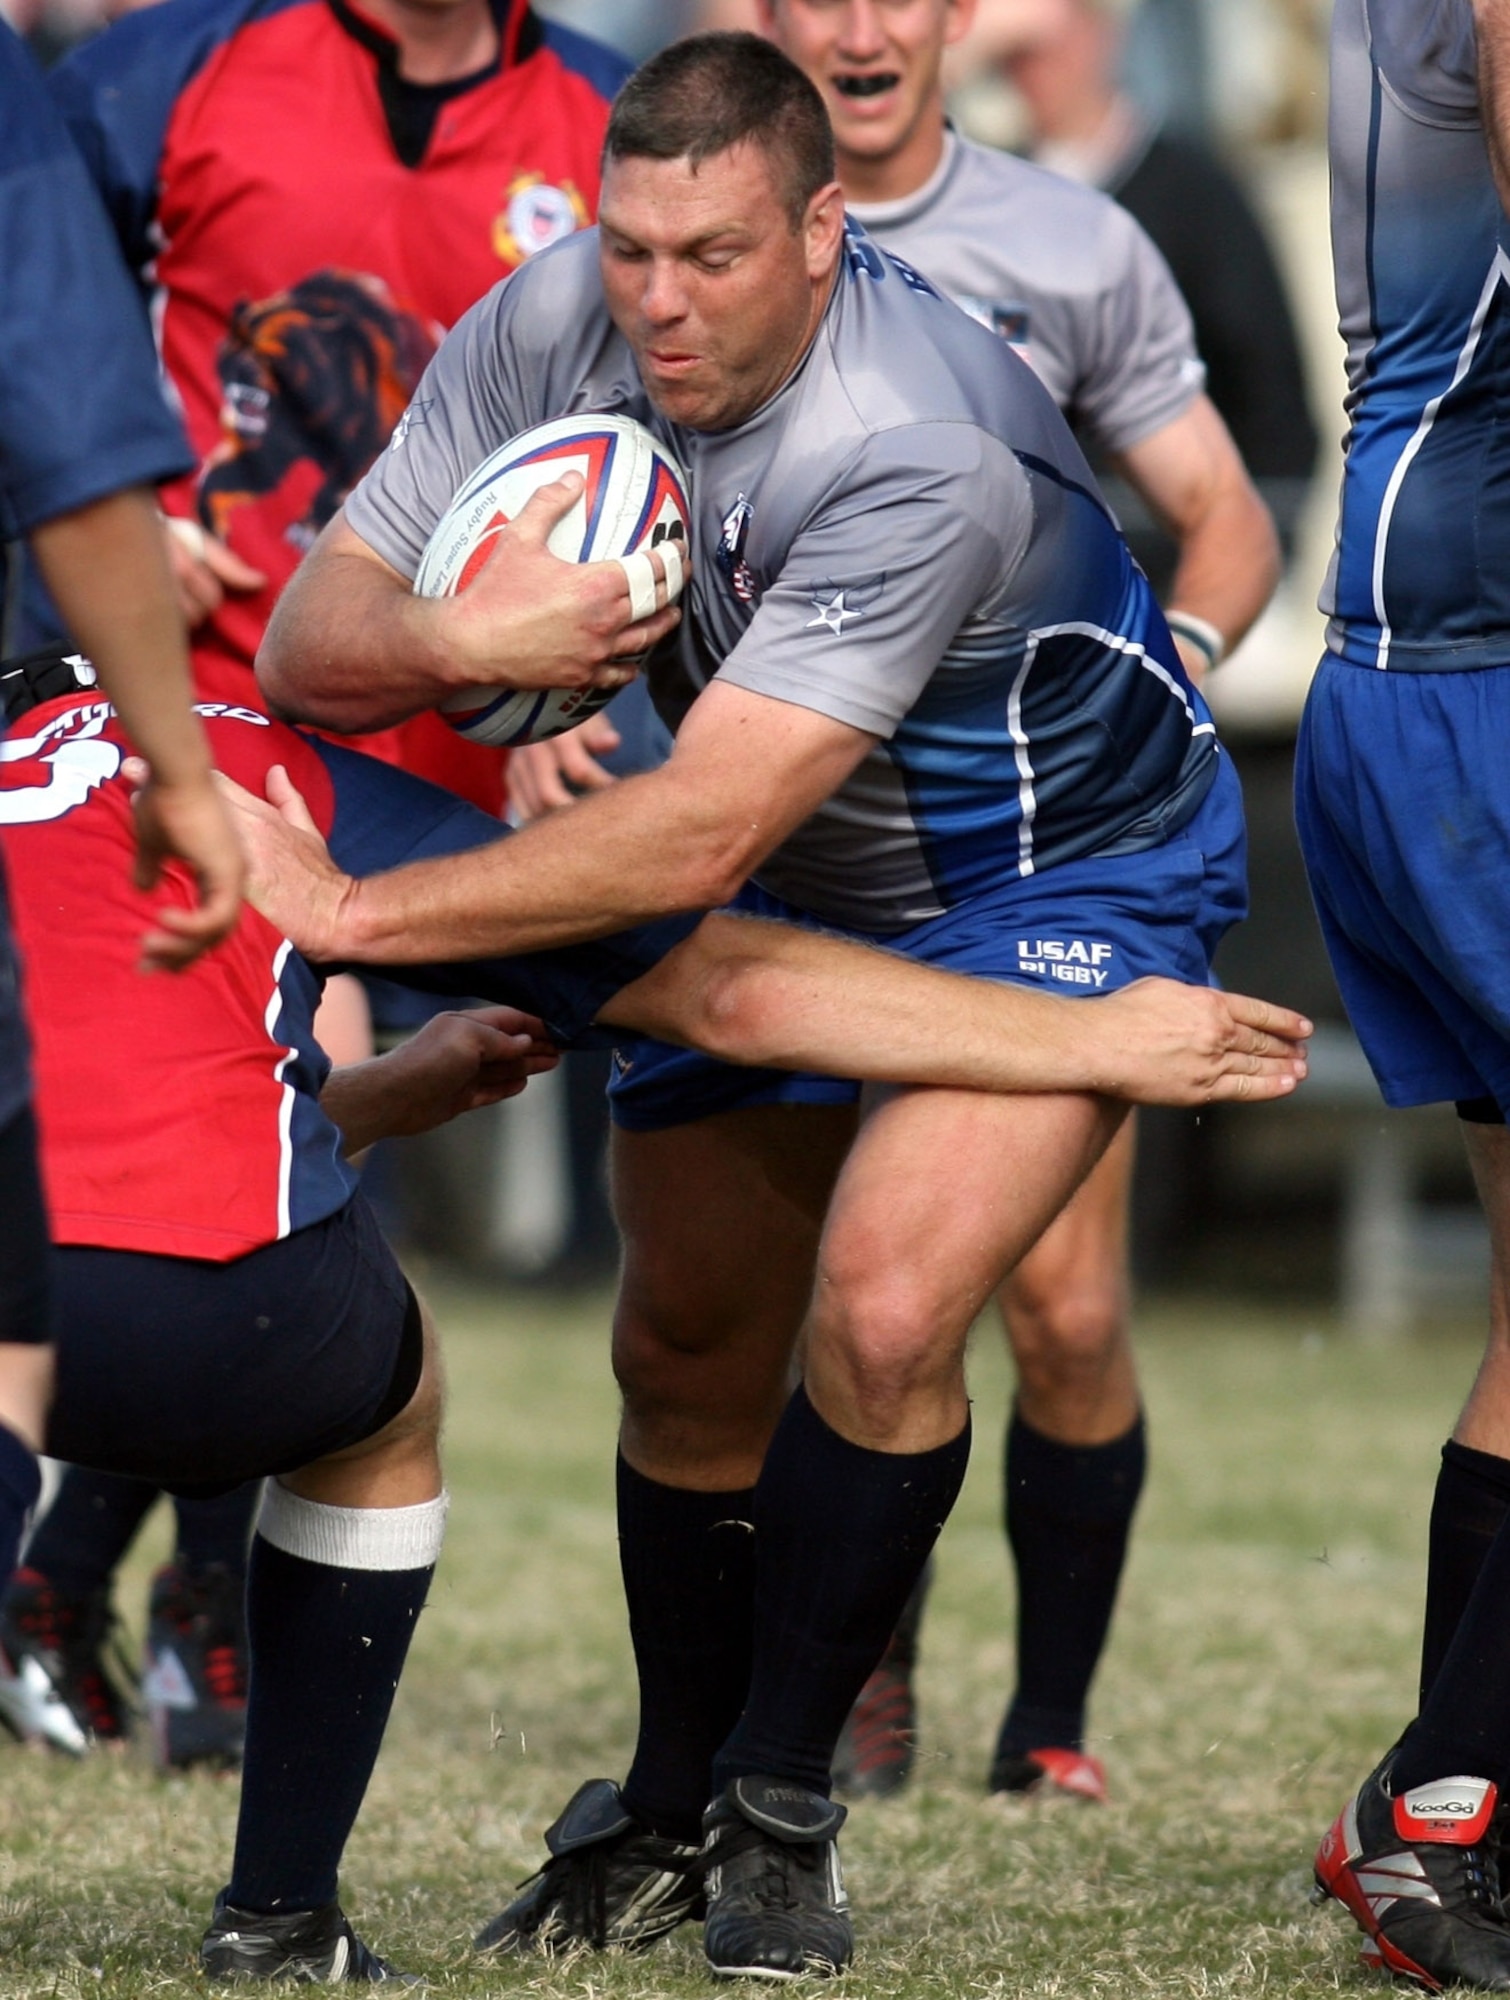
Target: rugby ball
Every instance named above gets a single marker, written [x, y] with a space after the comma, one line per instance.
[635, 498]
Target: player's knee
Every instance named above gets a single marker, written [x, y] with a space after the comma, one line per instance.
[720, 1374]
[1074, 1330]
[656, 1342]
[1070, 1359]
[889, 1339]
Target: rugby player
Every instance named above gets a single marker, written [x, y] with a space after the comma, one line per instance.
[83, 433]
[1400, 799]
[925, 697]
[225, 1305]
[1071, 280]
[297, 290]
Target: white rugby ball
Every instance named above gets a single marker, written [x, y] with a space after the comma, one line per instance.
[635, 497]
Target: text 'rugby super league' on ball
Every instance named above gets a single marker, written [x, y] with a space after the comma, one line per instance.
[634, 500]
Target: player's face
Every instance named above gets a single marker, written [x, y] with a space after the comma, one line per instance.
[707, 278]
[876, 64]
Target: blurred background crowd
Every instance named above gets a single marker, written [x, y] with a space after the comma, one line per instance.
[1207, 119]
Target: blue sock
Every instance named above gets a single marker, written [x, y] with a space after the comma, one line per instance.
[20, 1483]
[1069, 1512]
[327, 1640]
[841, 1536]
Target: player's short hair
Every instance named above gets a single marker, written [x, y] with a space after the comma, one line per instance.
[710, 92]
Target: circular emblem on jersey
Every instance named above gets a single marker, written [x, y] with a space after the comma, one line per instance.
[536, 214]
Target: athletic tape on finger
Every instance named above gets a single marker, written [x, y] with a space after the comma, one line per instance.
[187, 533]
[640, 575]
[676, 574]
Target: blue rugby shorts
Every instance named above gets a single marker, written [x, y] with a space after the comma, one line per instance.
[1082, 928]
[1402, 798]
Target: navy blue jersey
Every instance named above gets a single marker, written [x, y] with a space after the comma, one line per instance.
[82, 412]
[1421, 577]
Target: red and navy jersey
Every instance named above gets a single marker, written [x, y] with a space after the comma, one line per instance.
[179, 1114]
[310, 224]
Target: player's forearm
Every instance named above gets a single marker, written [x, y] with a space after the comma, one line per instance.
[349, 647]
[650, 847]
[108, 574]
[1229, 562]
[359, 1103]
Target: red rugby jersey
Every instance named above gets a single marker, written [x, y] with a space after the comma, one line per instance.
[178, 1113]
[308, 244]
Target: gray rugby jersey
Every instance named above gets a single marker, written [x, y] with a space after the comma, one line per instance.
[1421, 576]
[905, 538]
[1064, 274]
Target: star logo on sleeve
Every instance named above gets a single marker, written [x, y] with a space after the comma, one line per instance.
[839, 604]
[417, 413]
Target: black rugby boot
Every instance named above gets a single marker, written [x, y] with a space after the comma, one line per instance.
[1420, 1875]
[302, 1947]
[776, 1902]
[609, 1881]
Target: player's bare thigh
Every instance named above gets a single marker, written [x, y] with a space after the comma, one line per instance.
[721, 1220]
[1065, 1308]
[941, 1195]
[398, 1466]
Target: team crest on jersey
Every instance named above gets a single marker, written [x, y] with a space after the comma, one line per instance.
[536, 213]
[838, 605]
[1007, 317]
[730, 553]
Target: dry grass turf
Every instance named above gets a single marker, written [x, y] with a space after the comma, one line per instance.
[1263, 1656]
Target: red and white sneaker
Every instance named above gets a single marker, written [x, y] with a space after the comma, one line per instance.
[1037, 1773]
[1420, 1875]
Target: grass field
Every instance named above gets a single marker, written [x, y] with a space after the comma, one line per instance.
[1264, 1654]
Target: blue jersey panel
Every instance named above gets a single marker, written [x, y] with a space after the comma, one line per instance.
[1074, 755]
[320, 1180]
[384, 818]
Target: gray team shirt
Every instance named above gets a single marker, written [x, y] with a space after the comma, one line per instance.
[905, 538]
[1065, 275]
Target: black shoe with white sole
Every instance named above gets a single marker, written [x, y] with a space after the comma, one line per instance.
[303, 1947]
[609, 1881]
[776, 1902]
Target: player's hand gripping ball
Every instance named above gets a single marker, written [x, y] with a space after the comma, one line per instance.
[635, 499]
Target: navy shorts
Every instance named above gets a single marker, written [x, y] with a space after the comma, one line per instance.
[1082, 928]
[1402, 797]
[198, 1376]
